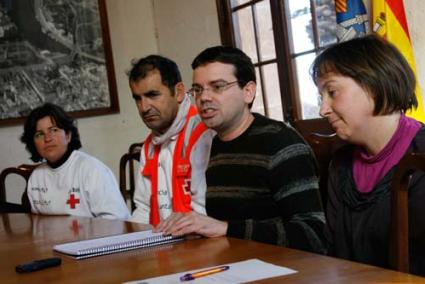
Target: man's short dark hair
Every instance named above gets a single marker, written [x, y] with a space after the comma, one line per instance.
[377, 66]
[244, 70]
[170, 73]
[62, 120]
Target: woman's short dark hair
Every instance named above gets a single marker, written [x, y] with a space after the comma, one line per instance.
[62, 120]
[377, 66]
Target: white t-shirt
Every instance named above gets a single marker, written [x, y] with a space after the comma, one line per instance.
[82, 186]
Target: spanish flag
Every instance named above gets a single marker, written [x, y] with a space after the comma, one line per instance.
[389, 21]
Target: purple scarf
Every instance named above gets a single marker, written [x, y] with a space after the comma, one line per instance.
[369, 170]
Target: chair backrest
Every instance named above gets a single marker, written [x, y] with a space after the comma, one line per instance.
[132, 155]
[324, 142]
[24, 171]
[399, 252]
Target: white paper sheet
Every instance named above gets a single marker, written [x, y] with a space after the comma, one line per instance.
[239, 272]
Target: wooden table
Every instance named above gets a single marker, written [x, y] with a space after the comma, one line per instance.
[28, 237]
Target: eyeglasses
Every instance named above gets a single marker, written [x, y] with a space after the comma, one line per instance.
[216, 87]
[52, 131]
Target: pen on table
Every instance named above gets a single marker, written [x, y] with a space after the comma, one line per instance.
[202, 273]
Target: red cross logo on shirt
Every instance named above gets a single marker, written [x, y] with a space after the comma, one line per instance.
[186, 186]
[72, 201]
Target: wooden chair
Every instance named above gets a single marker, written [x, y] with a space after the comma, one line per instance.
[132, 155]
[324, 142]
[399, 252]
[24, 171]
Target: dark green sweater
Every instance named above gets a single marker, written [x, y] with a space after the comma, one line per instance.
[264, 183]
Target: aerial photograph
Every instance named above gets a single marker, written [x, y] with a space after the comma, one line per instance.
[51, 51]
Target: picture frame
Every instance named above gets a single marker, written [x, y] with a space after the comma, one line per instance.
[58, 52]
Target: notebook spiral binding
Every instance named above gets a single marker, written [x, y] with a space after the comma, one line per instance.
[115, 243]
[128, 245]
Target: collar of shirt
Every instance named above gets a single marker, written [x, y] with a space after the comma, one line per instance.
[177, 124]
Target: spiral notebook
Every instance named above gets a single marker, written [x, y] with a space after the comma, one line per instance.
[113, 244]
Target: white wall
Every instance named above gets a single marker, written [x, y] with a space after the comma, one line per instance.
[185, 28]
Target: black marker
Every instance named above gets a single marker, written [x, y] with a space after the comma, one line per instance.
[38, 264]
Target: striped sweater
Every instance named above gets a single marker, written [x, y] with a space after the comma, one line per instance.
[265, 184]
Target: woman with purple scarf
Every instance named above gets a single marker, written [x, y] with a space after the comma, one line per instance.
[366, 86]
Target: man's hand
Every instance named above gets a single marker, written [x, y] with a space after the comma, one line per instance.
[166, 224]
[179, 224]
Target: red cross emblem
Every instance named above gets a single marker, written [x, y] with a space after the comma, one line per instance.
[72, 201]
[186, 186]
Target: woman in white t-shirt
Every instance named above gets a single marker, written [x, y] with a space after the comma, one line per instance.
[69, 181]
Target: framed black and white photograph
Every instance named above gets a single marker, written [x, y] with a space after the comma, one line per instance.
[55, 51]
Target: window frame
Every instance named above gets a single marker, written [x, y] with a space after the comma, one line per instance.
[285, 57]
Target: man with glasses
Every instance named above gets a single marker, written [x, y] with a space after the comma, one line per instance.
[174, 156]
[262, 179]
